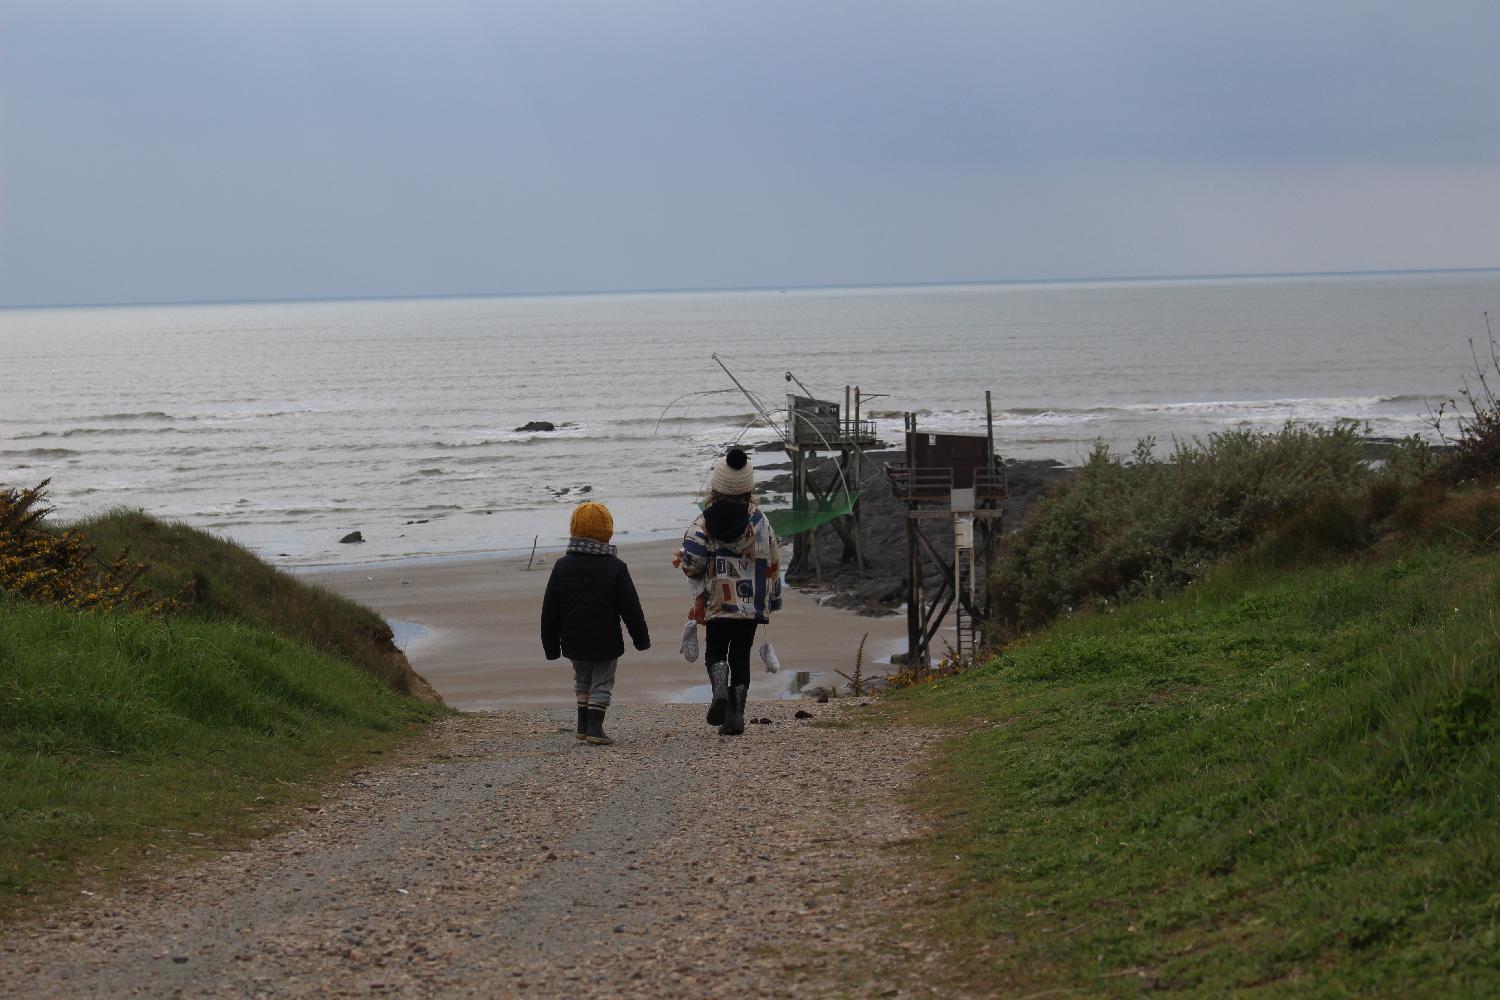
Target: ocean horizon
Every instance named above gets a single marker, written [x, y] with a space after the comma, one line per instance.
[730, 289]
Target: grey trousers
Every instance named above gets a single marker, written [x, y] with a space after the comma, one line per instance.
[593, 680]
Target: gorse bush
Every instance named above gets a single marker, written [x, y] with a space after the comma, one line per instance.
[1146, 525]
[61, 568]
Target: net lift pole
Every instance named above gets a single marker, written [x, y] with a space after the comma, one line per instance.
[814, 426]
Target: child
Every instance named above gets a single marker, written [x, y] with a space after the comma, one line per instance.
[733, 562]
[588, 595]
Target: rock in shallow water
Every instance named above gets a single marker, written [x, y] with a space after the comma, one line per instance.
[353, 536]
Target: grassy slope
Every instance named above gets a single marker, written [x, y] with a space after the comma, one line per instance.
[124, 739]
[1283, 781]
[215, 578]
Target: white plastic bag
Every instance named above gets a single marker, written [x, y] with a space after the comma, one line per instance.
[768, 657]
[690, 642]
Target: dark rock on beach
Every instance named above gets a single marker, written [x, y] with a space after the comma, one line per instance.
[353, 536]
[536, 425]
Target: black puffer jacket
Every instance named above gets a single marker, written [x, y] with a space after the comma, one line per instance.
[587, 598]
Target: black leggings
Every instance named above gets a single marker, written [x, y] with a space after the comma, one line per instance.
[731, 639]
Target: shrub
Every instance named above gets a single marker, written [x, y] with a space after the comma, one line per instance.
[1143, 526]
[1470, 423]
[1467, 518]
[61, 568]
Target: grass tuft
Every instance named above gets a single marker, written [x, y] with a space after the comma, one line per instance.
[217, 579]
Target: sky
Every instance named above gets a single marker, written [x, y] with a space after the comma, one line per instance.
[182, 150]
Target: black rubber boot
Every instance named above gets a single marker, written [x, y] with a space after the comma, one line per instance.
[595, 733]
[734, 725]
[583, 723]
[718, 680]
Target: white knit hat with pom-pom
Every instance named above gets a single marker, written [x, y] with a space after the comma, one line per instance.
[733, 475]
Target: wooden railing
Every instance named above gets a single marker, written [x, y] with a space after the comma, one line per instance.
[935, 485]
[825, 432]
[989, 484]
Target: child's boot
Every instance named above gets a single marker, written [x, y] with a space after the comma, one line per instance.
[718, 679]
[583, 721]
[734, 724]
[596, 734]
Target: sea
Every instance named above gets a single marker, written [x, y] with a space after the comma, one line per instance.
[287, 425]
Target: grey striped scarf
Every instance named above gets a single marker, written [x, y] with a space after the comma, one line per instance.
[589, 547]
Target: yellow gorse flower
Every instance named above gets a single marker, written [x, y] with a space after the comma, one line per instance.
[50, 567]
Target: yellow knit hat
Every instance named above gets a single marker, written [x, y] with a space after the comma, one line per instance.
[592, 520]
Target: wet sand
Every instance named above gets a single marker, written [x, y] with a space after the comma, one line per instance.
[479, 641]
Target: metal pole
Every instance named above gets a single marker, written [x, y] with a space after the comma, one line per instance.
[958, 590]
[859, 484]
[799, 502]
[753, 401]
[989, 423]
[913, 597]
[812, 538]
[792, 378]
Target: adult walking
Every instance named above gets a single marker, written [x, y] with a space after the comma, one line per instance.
[732, 550]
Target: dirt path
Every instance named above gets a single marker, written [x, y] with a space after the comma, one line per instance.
[504, 859]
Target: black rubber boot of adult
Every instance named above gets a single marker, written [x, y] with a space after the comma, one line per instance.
[596, 734]
[718, 681]
[734, 724]
[583, 723]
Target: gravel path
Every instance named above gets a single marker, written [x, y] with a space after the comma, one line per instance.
[502, 858]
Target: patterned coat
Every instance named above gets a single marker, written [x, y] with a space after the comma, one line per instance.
[743, 577]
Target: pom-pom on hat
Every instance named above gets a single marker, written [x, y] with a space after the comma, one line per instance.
[592, 520]
[733, 475]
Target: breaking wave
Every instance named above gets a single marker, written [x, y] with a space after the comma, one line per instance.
[39, 453]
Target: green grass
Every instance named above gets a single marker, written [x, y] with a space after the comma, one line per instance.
[215, 578]
[1283, 781]
[126, 740]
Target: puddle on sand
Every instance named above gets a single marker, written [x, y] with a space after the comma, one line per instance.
[405, 632]
[796, 688]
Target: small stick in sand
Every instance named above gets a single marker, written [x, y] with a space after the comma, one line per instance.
[533, 550]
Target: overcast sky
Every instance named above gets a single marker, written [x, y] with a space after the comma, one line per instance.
[246, 149]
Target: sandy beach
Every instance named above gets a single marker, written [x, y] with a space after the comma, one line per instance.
[478, 643]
